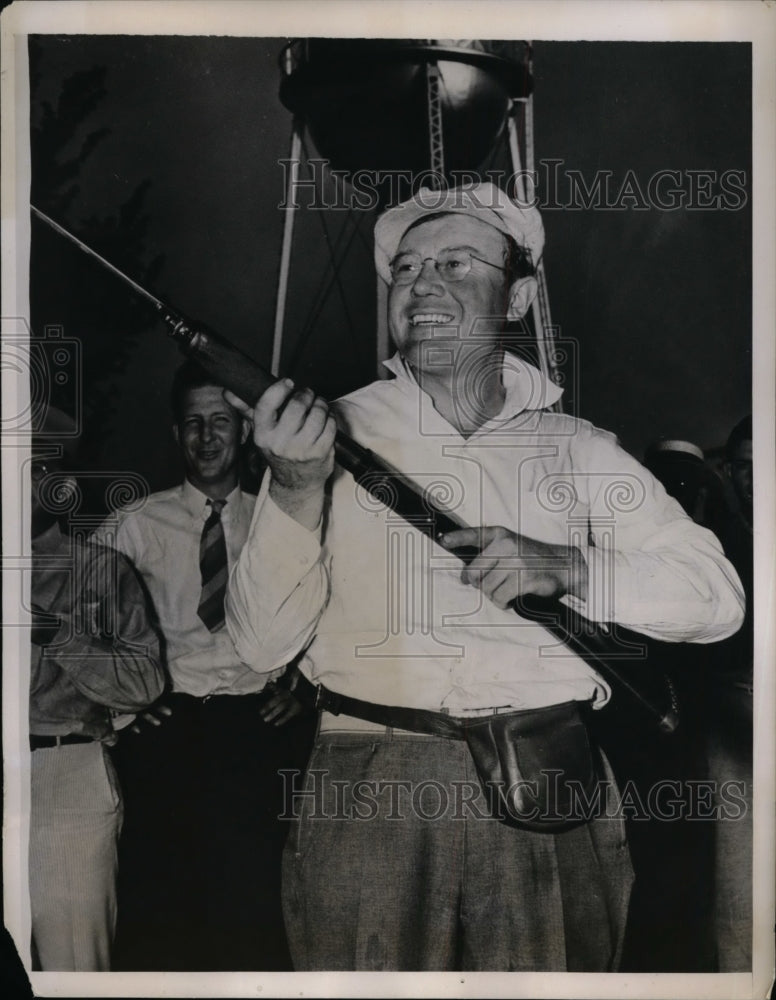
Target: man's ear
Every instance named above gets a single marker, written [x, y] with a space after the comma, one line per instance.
[176, 434]
[521, 295]
[245, 431]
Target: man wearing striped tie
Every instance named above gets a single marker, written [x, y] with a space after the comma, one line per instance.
[199, 884]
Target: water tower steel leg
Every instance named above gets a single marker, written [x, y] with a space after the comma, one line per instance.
[541, 305]
[288, 236]
[383, 336]
[325, 291]
[435, 135]
[548, 330]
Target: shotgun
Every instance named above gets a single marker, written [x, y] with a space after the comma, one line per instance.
[648, 690]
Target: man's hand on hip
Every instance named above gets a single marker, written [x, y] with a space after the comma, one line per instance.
[281, 705]
[154, 716]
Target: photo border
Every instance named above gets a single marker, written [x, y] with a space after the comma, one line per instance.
[643, 20]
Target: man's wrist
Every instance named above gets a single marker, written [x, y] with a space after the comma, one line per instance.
[304, 505]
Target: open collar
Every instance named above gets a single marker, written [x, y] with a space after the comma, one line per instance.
[526, 387]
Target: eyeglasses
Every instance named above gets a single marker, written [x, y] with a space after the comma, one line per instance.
[450, 265]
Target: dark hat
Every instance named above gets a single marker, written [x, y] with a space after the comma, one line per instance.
[675, 447]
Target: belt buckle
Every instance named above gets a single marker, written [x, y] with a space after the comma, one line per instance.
[328, 701]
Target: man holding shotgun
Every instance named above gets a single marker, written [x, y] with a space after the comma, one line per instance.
[455, 814]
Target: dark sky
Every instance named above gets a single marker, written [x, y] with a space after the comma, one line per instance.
[655, 303]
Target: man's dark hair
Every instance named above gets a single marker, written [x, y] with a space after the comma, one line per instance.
[189, 376]
[741, 432]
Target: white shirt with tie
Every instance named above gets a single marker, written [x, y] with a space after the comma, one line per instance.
[162, 538]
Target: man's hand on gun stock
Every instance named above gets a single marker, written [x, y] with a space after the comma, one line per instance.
[510, 565]
[295, 432]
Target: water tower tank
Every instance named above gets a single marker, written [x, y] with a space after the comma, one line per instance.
[365, 101]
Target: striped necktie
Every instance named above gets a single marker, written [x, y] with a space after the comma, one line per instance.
[213, 568]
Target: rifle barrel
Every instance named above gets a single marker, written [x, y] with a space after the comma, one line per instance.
[85, 248]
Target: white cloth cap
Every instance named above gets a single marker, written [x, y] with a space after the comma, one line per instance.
[483, 201]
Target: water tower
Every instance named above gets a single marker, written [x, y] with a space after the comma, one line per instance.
[408, 113]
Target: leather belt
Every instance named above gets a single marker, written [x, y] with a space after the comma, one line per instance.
[210, 699]
[416, 720]
[41, 742]
[352, 725]
[513, 754]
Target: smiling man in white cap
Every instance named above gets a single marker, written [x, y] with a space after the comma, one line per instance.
[399, 860]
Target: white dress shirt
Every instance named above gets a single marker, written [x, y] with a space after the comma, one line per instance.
[383, 609]
[162, 540]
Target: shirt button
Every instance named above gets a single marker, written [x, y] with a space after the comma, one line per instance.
[224, 674]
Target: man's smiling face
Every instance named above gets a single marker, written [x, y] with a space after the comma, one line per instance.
[416, 309]
[209, 434]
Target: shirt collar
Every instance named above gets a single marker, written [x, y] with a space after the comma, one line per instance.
[526, 387]
[196, 502]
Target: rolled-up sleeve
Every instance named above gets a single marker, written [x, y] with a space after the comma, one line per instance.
[650, 567]
[278, 588]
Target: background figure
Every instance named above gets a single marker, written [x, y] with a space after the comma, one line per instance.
[670, 924]
[200, 885]
[94, 653]
[681, 467]
[730, 705]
